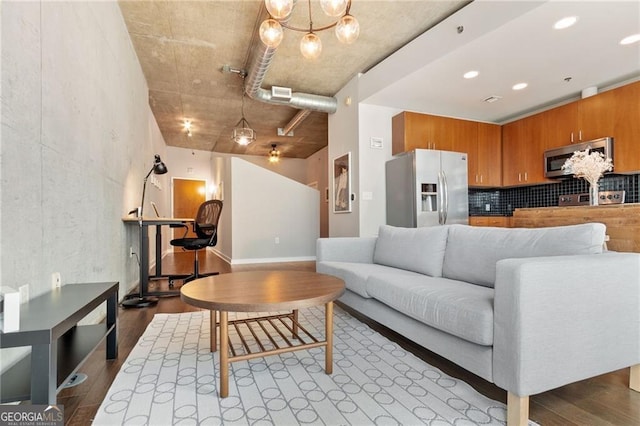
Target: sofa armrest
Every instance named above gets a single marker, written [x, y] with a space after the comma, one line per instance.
[561, 319]
[346, 249]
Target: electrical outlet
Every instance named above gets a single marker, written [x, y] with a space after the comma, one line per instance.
[277, 240]
[56, 280]
[487, 207]
[24, 293]
[131, 251]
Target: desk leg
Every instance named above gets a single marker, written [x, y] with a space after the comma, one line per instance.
[112, 321]
[328, 327]
[44, 373]
[224, 355]
[144, 260]
[214, 335]
[158, 252]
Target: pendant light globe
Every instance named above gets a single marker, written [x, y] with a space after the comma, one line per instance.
[279, 9]
[310, 46]
[334, 7]
[271, 33]
[347, 29]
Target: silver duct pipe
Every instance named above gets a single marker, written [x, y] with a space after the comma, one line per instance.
[256, 71]
[295, 121]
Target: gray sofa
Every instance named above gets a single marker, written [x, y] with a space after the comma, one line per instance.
[527, 309]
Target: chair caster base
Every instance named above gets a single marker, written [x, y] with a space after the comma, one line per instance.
[139, 302]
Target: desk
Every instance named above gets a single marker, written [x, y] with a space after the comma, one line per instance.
[144, 251]
[48, 323]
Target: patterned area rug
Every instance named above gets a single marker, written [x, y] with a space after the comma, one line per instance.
[171, 378]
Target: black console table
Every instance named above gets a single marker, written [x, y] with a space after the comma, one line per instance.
[48, 323]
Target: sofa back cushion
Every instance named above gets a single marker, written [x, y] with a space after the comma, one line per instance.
[414, 249]
[472, 252]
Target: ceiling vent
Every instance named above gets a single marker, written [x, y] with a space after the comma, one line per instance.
[280, 92]
[492, 99]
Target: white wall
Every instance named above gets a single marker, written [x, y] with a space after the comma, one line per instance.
[77, 139]
[317, 172]
[374, 122]
[343, 138]
[267, 206]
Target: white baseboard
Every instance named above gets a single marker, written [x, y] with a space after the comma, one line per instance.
[272, 260]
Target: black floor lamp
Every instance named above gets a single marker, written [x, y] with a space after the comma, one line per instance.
[142, 301]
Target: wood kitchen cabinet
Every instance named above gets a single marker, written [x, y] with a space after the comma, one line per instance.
[523, 147]
[496, 221]
[481, 141]
[485, 165]
[583, 120]
[412, 130]
[626, 133]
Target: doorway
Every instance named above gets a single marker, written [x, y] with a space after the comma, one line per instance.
[188, 194]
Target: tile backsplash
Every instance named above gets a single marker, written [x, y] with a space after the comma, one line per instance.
[503, 201]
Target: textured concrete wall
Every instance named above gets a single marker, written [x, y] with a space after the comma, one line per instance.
[77, 139]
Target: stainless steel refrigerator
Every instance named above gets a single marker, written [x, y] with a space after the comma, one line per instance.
[426, 187]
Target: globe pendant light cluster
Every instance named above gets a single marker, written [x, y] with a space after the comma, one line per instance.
[271, 30]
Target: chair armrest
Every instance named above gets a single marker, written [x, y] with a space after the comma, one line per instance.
[345, 249]
[561, 319]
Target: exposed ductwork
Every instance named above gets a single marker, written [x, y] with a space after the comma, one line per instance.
[256, 71]
[295, 121]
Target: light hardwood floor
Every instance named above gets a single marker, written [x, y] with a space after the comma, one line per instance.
[603, 400]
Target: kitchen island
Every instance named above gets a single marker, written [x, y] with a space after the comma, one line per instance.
[622, 221]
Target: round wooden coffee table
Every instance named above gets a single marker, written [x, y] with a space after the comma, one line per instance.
[264, 291]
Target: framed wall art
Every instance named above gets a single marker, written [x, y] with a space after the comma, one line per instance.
[342, 184]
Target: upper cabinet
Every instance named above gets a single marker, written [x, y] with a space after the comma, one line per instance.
[412, 130]
[581, 121]
[523, 149]
[626, 133]
[614, 113]
[481, 142]
[486, 164]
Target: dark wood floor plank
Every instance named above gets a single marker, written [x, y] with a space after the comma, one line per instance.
[603, 400]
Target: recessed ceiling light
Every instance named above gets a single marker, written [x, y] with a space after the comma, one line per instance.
[471, 74]
[519, 86]
[631, 39]
[565, 22]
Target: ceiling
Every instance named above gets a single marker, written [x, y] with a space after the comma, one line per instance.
[183, 46]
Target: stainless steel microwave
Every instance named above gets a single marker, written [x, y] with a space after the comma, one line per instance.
[555, 158]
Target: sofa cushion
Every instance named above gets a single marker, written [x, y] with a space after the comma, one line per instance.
[472, 252]
[414, 249]
[462, 309]
[355, 275]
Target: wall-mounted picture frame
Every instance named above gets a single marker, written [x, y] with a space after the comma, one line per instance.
[342, 184]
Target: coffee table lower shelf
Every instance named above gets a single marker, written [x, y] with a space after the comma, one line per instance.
[264, 336]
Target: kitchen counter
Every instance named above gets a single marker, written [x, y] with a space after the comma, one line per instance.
[622, 221]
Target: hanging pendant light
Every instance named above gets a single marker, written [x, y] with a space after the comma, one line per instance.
[279, 9]
[271, 33]
[311, 46]
[347, 28]
[274, 154]
[333, 7]
[243, 134]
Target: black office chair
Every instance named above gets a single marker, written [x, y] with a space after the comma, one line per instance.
[206, 228]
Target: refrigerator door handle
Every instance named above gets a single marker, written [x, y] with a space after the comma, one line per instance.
[439, 199]
[445, 193]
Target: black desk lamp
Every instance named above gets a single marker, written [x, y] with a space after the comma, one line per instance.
[142, 301]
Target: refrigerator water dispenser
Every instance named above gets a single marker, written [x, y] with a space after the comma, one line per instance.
[429, 193]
